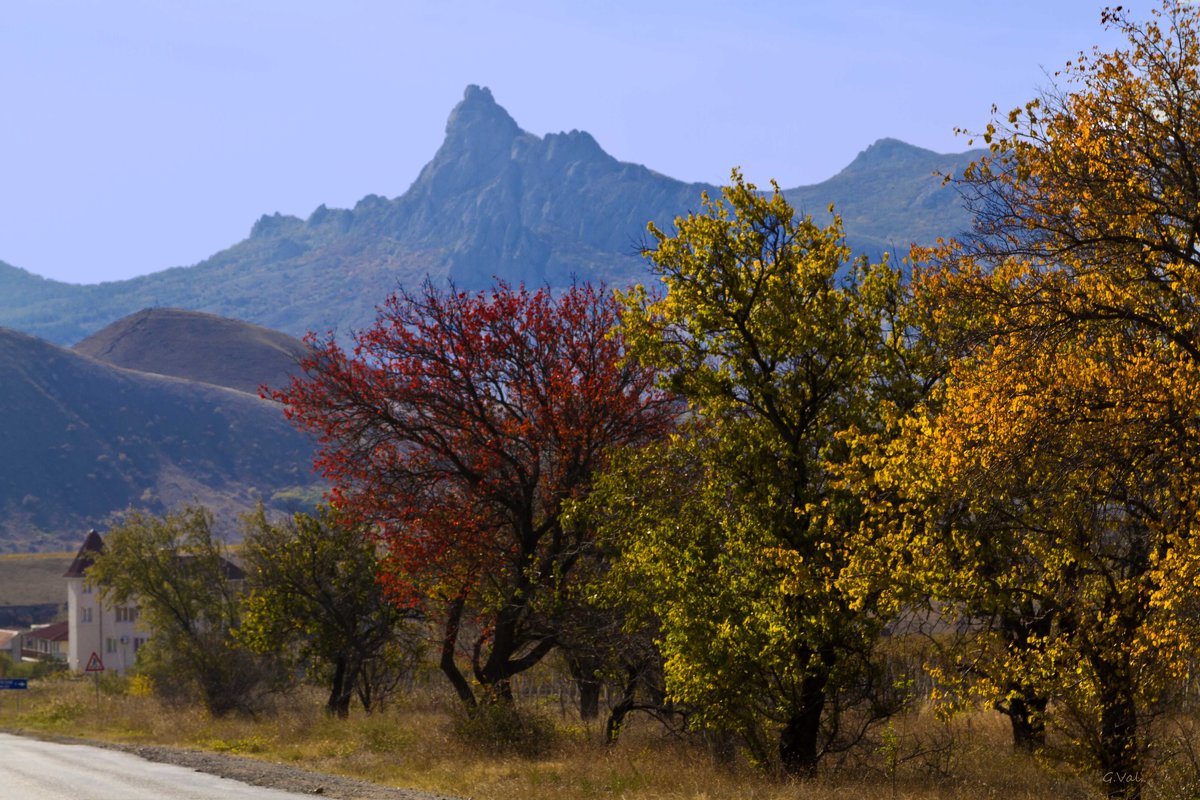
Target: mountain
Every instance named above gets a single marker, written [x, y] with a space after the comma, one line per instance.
[198, 347]
[495, 200]
[82, 439]
[890, 196]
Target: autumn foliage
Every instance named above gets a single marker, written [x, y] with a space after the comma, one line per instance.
[460, 425]
[999, 447]
[1051, 479]
[734, 534]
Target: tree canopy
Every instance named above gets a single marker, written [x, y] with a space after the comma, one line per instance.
[459, 426]
[176, 572]
[734, 532]
[1051, 478]
[314, 589]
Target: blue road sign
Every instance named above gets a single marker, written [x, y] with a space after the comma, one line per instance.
[14, 683]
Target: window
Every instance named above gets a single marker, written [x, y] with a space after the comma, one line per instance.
[138, 641]
[85, 615]
[110, 645]
[127, 613]
[87, 589]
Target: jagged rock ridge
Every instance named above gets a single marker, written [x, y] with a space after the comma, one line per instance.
[495, 201]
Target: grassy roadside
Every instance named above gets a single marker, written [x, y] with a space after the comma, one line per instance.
[414, 744]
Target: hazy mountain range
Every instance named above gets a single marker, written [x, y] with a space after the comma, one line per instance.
[157, 406]
[494, 201]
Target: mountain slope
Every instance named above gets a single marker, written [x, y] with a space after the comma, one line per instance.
[495, 200]
[83, 440]
[890, 196]
[197, 347]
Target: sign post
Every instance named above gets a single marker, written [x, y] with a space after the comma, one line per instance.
[95, 666]
[15, 683]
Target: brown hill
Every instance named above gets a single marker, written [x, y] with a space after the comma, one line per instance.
[82, 440]
[198, 347]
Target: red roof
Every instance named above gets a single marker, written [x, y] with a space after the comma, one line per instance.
[54, 632]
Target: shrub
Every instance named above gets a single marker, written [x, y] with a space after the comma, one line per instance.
[502, 727]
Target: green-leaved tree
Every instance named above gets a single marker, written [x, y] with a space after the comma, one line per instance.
[735, 532]
[314, 592]
[175, 570]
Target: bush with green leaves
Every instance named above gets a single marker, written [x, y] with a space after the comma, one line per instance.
[188, 592]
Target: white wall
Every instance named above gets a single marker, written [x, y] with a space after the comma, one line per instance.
[110, 632]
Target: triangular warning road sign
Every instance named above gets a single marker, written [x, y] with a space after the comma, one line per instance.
[94, 664]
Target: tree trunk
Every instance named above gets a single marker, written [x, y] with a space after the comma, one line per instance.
[799, 741]
[449, 643]
[1118, 754]
[589, 698]
[1027, 714]
[616, 717]
[583, 670]
[334, 704]
[345, 675]
[363, 684]
[502, 663]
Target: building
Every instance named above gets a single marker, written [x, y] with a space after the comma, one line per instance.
[10, 644]
[112, 634]
[45, 642]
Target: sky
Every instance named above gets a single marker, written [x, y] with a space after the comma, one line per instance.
[138, 136]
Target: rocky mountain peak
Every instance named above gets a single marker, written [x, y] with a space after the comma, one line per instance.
[495, 201]
[479, 141]
[478, 120]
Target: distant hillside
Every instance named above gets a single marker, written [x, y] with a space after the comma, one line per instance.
[198, 347]
[494, 201]
[82, 440]
[890, 196]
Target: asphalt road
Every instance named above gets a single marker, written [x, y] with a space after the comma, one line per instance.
[36, 770]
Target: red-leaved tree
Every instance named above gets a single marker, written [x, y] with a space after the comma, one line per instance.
[460, 425]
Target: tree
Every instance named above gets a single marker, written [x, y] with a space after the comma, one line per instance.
[460, 426]
[1062, 459]
[1095, 188]
[187, 592]
[734, 533]
[1049, 495]
[1042, 491]
[313, 588]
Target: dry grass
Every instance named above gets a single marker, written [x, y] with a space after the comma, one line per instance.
[33, 578]
[415, 745]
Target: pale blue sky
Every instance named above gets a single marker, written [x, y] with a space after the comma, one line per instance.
[136, 136]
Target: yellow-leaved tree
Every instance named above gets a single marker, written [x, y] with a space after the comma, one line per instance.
[1049, 482]
[732, 534]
